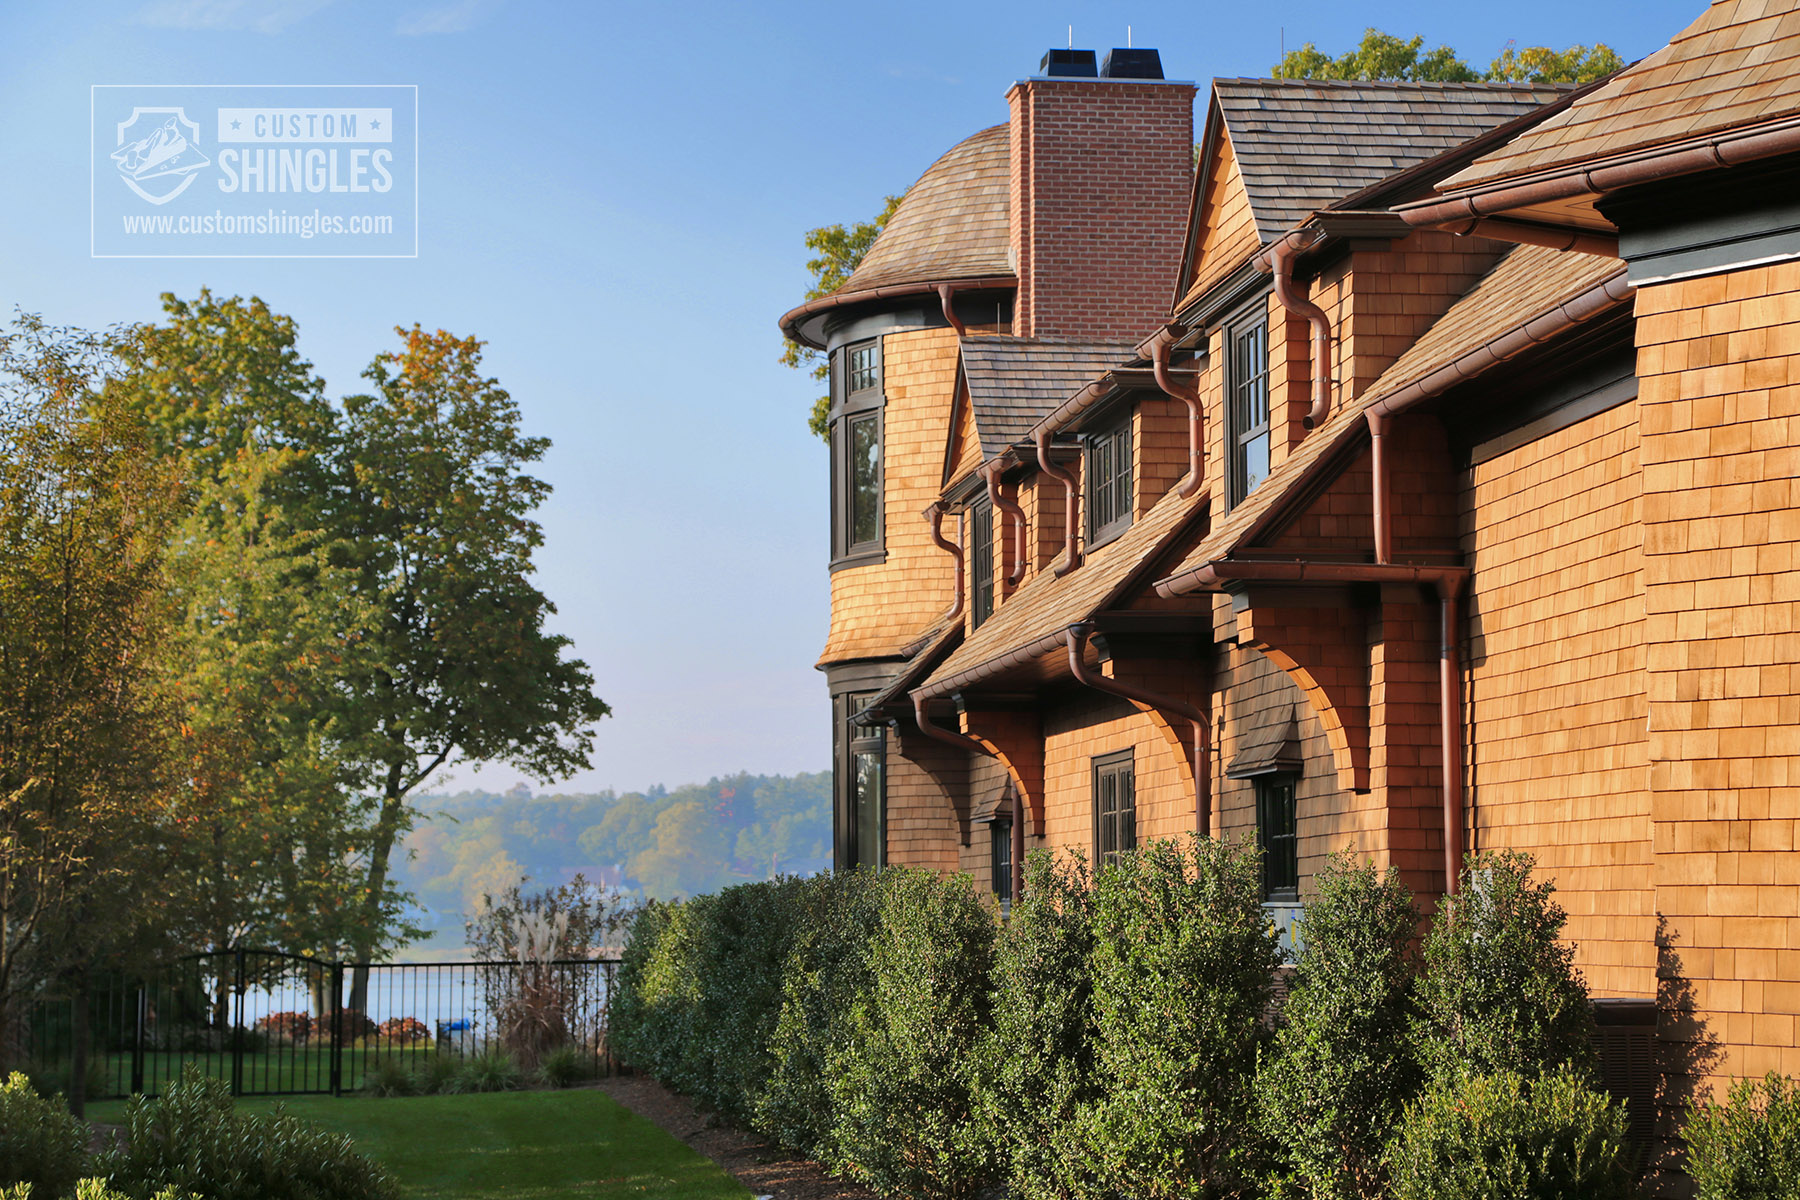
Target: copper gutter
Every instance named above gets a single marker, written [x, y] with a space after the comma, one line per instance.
[1529, 233]
[1685, 157]
[790, 321]
[1029, 652]
[1279, 260]
[1015, 517]
[935, 514]
[1071, 500]
[946, 293]
[1076, 636]
[1189, 395]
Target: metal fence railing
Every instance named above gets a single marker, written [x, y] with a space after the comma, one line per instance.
[276, 1024]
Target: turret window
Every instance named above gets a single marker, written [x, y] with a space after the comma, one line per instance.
[857, 478]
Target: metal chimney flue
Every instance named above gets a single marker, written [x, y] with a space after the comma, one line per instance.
[1131, 64]
[1069, 64]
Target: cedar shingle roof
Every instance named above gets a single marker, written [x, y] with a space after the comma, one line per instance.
[1016, 382]
[952, 223]
[1739, 64]
[1528, 282]
[1303, 143]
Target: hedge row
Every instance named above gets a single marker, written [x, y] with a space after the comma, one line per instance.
[1114, 1036]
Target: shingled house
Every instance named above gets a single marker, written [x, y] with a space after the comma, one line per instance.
[1442, 502]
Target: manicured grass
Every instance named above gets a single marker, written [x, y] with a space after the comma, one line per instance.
[512, 1146]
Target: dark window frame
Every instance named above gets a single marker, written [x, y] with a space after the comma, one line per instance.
[1000, 856]
[981, 561]
[1241, 382]
[854, 408]
[1114, 779]
[1278, 835]
[857, 746]
[1108, 489]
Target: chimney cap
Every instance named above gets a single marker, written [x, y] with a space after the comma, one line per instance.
[1078, 64]
[1131, 64]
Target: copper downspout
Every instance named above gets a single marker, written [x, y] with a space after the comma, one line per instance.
[1071, 501]
[935, 514]
[1384, 532]
[1279, 262]
[1190, 396]
[946, 293]
[1450, 716]
[922, 718]
[1015, 517]
[1077, 637]
[1018, 845]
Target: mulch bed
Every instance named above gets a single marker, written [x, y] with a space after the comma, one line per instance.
[765, 1169]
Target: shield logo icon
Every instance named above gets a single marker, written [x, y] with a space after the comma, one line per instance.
[159, 152]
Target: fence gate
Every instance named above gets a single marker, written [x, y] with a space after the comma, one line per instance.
[277, 1024]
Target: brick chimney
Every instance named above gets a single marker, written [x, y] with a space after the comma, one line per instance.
[1102, 166]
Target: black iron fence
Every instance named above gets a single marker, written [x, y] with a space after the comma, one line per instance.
[275, 1024]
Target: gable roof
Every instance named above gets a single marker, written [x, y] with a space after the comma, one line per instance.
[952, 223]
[1738, 64]
[1016, 382]
[1528, 283]
[1302, 144]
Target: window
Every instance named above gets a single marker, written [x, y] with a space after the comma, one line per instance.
[863, 767]
[1115, 806]
[1275, 835]
[1109, 483]
[981, 561]
[1000, 856]
[1247, 429]
[856, 467]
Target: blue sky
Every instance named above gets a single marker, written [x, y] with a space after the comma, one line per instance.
[613, 196]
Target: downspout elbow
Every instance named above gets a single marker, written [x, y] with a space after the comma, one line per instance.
[1015, 517]
[1280, 264]
[1071, 503]
[947, 293]
[931, 729]
[1188, 395]
[935, 515]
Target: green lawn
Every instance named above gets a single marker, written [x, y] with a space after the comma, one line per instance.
[512, 1146]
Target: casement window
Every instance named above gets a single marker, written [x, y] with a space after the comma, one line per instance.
[1000, 856]
[857, 495]
[862, 765]
[1276, 836]
[981, 562]
[1115, 806]
[1247, 400]
[1108, 473]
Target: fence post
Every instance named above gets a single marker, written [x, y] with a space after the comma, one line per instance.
[337, 1029]
[237, 1027]
[137, 1043]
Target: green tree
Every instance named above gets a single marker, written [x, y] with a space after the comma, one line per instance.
[836, 252]
[1383, 56]
[434, 514]
[85, 728]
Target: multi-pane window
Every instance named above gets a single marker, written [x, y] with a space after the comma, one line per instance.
[1115, 806]
[856, 466]
[1001, 857]
[865, 774]
[981, 561]
[1109, 483]
[1248, 383]
[1275, 834]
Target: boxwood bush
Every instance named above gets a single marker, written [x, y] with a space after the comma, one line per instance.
[41, 1144]
[1506, 1136]
[1747, 1148]
[1182, 964]
[903, 1081]
[1341, 1068]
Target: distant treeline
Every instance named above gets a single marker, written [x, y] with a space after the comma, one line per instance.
[658, 843]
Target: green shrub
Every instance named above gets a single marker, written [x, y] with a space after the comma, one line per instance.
[189, 1139]
[87, 1189]
[493, 1070]
[826, 973]
[902, 1082]
[1340, 1070]
[1747, 1148]
[1499, 991]
[40, 1142]
[1508, 1137]
[388, 1076]
[652, 1015]
[1038, 1062]
[1183, 959]
[564, 1067]
[437, 1074]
